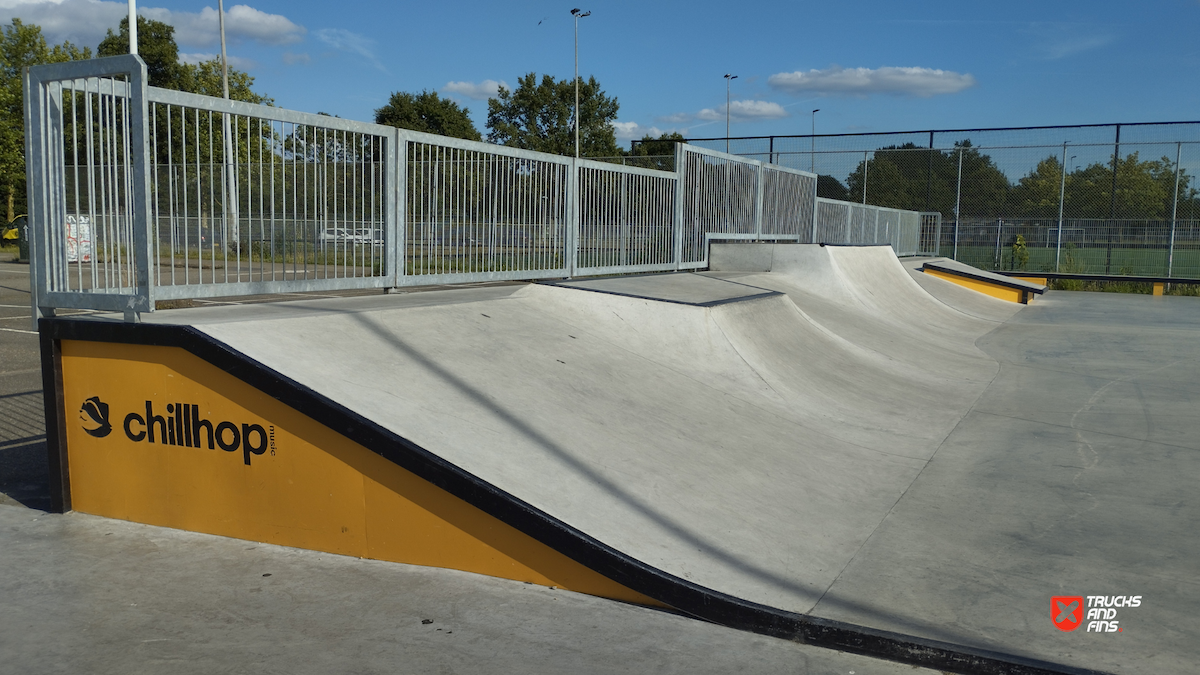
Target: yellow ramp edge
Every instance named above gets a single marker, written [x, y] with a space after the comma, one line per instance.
[994, 290]
[188, 446]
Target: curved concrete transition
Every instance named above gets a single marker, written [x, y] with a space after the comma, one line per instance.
[798, 431]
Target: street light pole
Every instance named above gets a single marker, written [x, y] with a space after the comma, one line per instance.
[133, 26]
[224, 59]
[812, 156]
[578, 14]
[728, 78]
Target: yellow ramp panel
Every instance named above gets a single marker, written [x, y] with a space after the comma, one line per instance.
[163, 437]
[994, 290]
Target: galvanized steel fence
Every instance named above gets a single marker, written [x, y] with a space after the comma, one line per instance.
[140, 194]
[1125, 195]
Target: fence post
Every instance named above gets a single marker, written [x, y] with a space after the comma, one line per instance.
[1174, 211]
[760, 177]
[957, 202]
[139, 150]
[571, 240]
[813, 239]
[680, 191]
[38, 204]
[1062, 195]
[996, 258]
[396, 210]
[864, 177]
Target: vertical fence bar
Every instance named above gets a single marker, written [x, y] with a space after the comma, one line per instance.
[759, 177]
[1174, 211]
[682, 168]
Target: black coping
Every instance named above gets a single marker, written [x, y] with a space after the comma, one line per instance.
[957, 269]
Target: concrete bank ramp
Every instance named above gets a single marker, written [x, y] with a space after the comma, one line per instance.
[725, 443]
[864, 294]
[718, 433]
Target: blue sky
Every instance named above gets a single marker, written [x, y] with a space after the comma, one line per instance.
[868, 66]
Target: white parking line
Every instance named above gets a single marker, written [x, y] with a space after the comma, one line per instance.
[17, 330]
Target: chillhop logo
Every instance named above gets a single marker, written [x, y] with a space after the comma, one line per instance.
[94, 415]
[183, 426]
[1068, 612]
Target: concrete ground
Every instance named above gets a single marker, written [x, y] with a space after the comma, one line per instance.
[85, 594]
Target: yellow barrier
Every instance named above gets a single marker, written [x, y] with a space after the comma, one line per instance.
[165, 438]
[987, 288]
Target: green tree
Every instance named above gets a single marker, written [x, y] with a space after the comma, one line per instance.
[205, 78]
[921, 179]
[427, 112]
[540, 116]
[656, 153]
[1036, 195]
[832, 188]
[21, 45]
[156, 46]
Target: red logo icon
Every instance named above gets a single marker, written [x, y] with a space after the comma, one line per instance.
[1066, 611]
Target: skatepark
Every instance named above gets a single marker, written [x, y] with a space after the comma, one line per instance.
[820, 445]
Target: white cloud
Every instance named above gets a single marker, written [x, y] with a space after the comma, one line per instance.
[234, 61]
[632, 130]
[1053, 41]
[293, 59]
[865, 81]
[347, 41]
[677, 118]
[85, 22]
[480, 91]
[743, 111]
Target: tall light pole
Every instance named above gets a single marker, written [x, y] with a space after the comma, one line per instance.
[578, 14]
[224, 60]
[133, 26]
[231, 199]
[812, 157]
[728, 78]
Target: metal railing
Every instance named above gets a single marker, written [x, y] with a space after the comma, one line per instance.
[140, 194]
[908, 232]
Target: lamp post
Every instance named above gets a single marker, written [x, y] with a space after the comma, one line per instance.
[578, 14]
[224, 60]
[728, 78]
[812, 156]
[133, 26]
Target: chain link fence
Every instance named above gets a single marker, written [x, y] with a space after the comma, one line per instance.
[1123, 196]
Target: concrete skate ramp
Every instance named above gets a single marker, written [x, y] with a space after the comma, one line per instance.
[864, 294]
[727, 445]
[687, 437]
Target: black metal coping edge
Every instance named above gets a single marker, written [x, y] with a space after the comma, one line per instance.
[680, 594]
[711, 303]
[841, 245]
[1097, 277]
[1016, 285]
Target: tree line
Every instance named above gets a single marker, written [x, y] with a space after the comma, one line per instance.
[922, 179]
